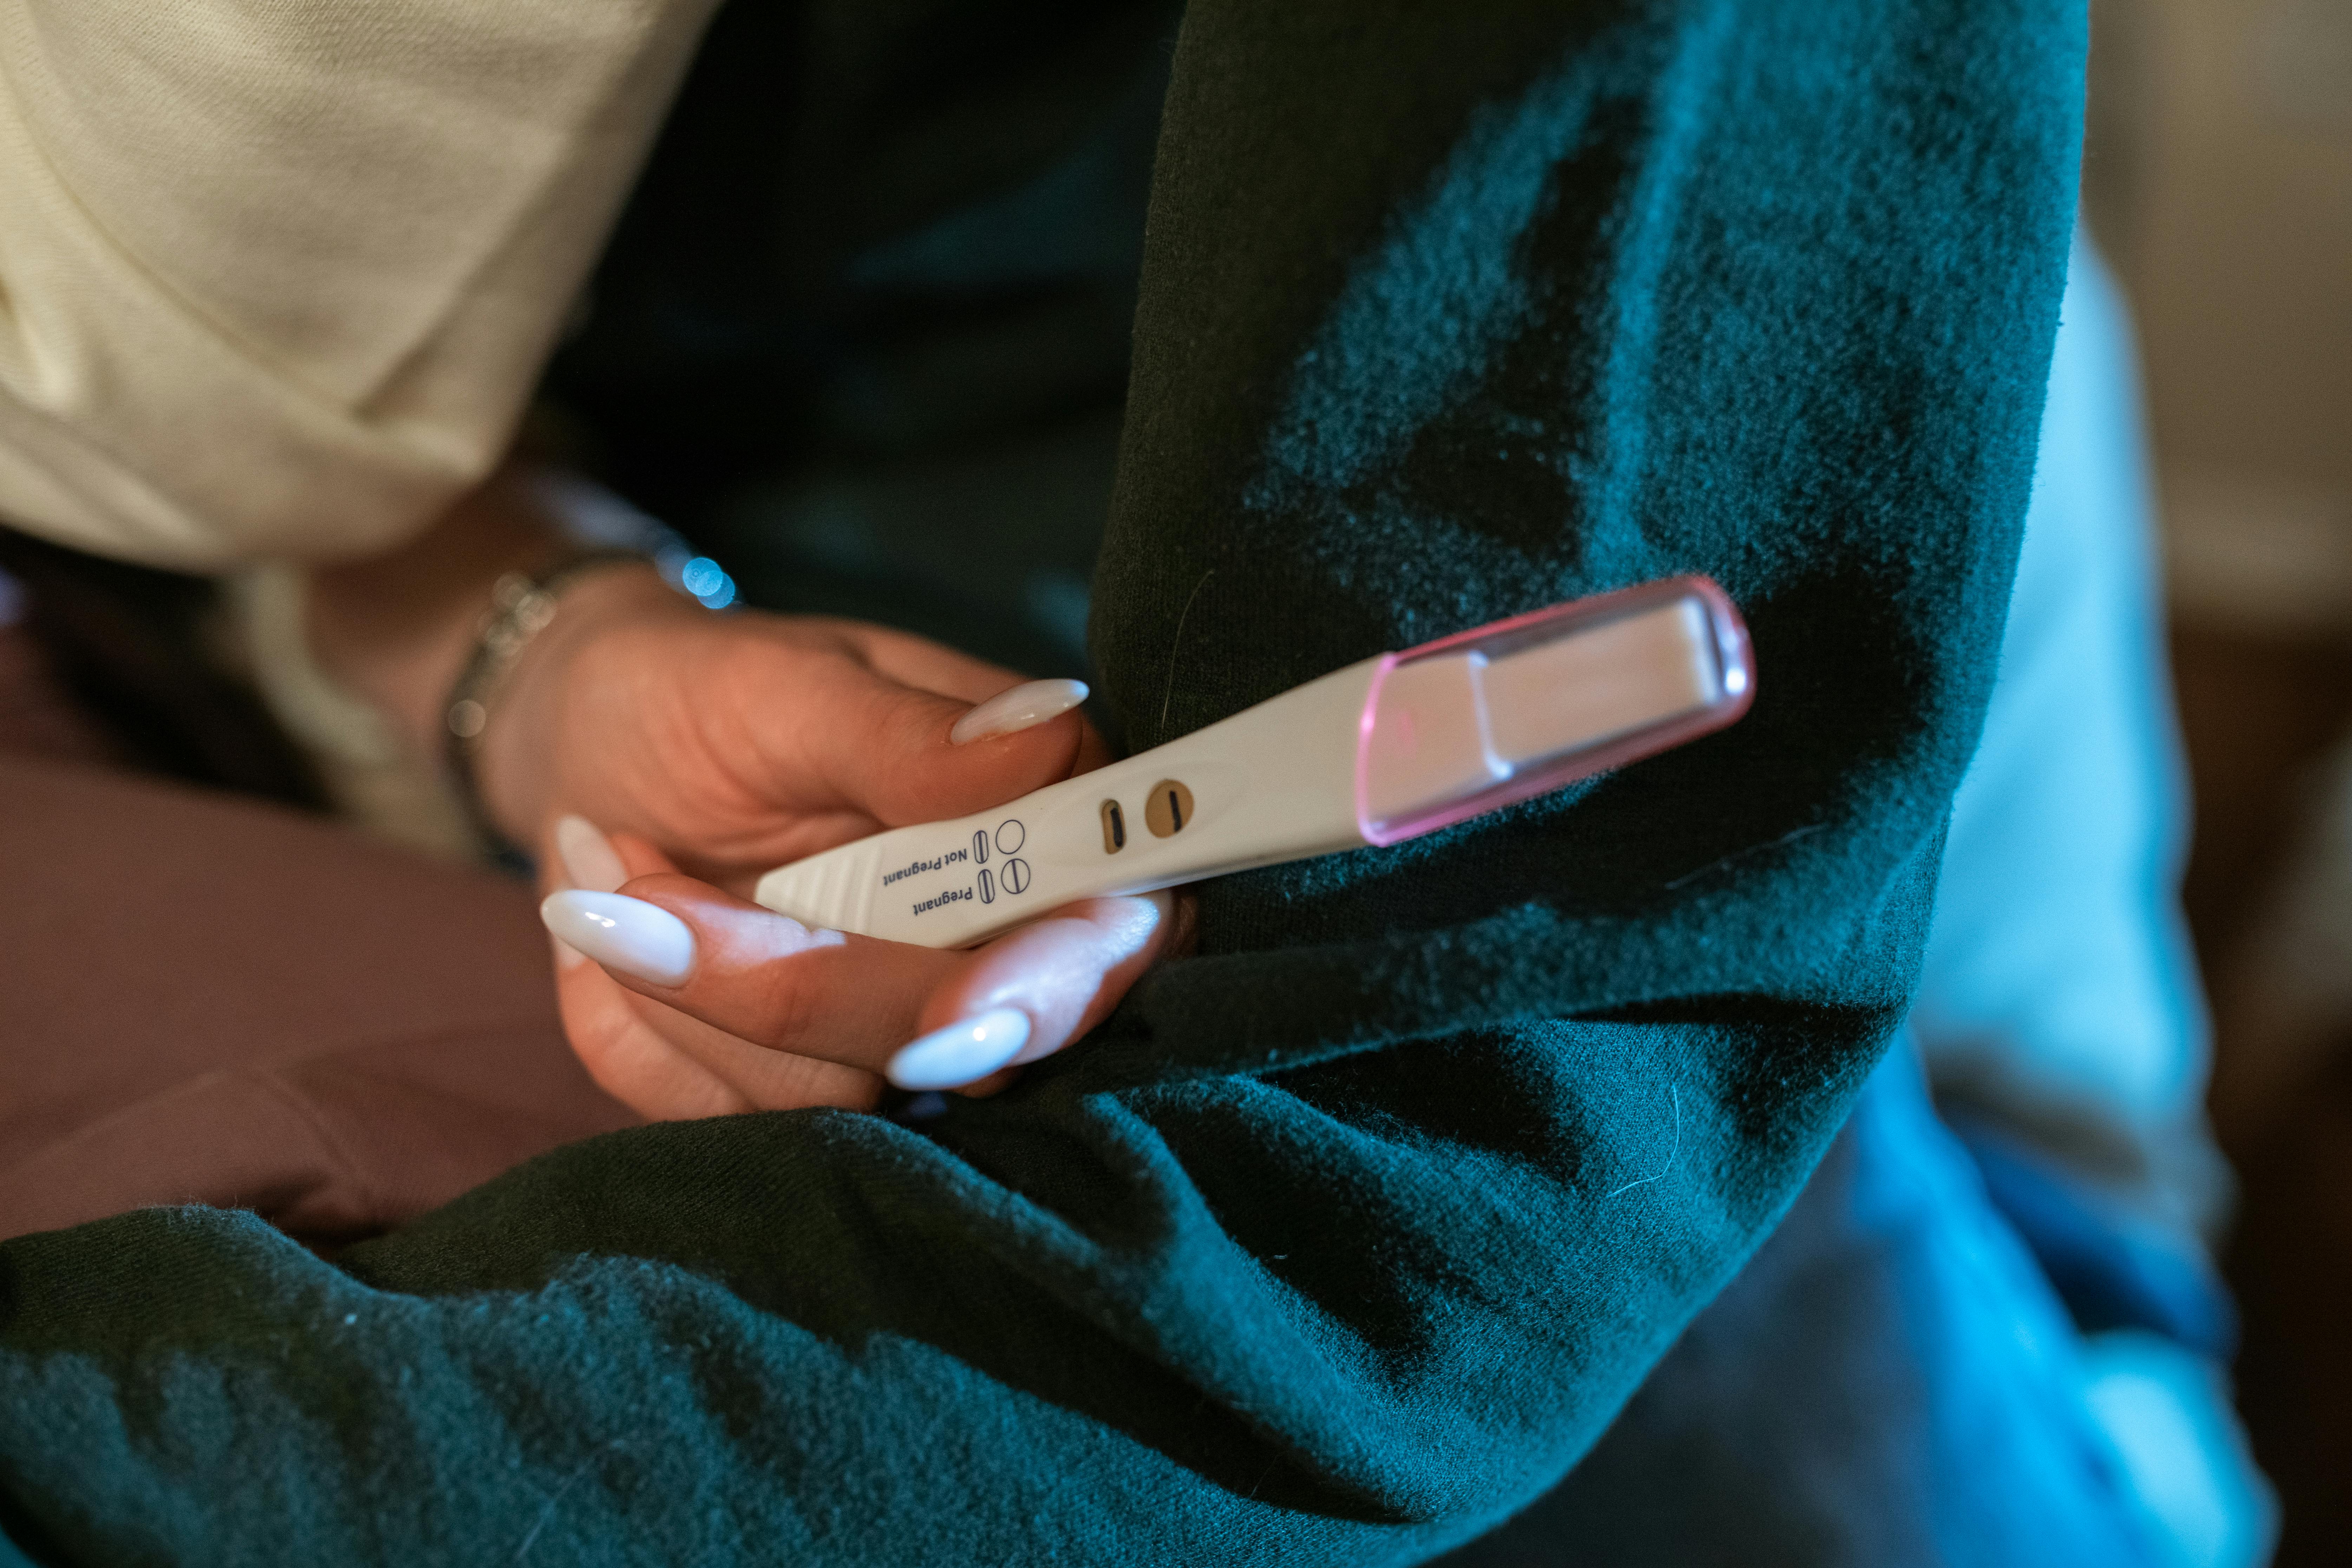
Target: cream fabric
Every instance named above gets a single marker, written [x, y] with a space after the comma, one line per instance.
[276, 276]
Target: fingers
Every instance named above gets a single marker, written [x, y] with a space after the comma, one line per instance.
[667, 1064]
[662, 1063]
[1065, 973]
[1032, 992]
[903, 754]
[752, 973]
[813, 720]
[629, 1059]
[919, 661]
[934, 667]
[927, 1018]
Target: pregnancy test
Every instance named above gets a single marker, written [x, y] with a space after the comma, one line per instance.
[1385, 750]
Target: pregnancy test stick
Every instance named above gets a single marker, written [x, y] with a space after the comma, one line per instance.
[1395, 747]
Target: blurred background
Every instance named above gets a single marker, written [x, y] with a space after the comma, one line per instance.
[2217, 179]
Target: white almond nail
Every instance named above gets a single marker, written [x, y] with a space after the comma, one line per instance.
[961, 1053]
[1007, 713]
[590, 860]
[628, 934]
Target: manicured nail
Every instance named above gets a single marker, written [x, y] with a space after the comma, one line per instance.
[1032, 703]
[590, 860]
[961, 1053]
[628, 934]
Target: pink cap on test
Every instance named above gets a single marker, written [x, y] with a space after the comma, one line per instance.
[1474, 721]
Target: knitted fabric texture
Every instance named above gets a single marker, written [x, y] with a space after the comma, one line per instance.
[1348, 1235]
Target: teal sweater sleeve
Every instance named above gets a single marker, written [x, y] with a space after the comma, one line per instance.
[1350, 1234]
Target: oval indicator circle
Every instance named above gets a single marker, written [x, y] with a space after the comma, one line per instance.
[988, 885]
[980, 848]
[1017, 876]
[1168, 808]
[1010, 835]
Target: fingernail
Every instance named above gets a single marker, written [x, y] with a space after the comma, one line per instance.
[590, 861]
[589, 858]
[961, 1053]
[628, 934]
[1032, 702]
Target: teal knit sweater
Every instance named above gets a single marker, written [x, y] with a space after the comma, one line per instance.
[1349, 1235]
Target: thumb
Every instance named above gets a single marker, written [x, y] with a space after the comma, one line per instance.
[902, 754]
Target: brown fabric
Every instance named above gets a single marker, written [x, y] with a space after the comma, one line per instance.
[206, 1000]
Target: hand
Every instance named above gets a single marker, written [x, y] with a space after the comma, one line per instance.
[736, 741]
[705, 1004]
[740, 742]
[726, 745]
[710, 748]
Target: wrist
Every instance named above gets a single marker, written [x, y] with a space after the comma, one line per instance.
[394, 629]
[515, 752]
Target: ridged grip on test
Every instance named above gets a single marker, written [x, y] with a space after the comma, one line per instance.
[834, 890]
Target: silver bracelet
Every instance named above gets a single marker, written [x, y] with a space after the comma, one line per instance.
[521, 607]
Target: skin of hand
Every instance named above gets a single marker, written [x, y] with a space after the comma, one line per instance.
[772, 1015]
[707, 749]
